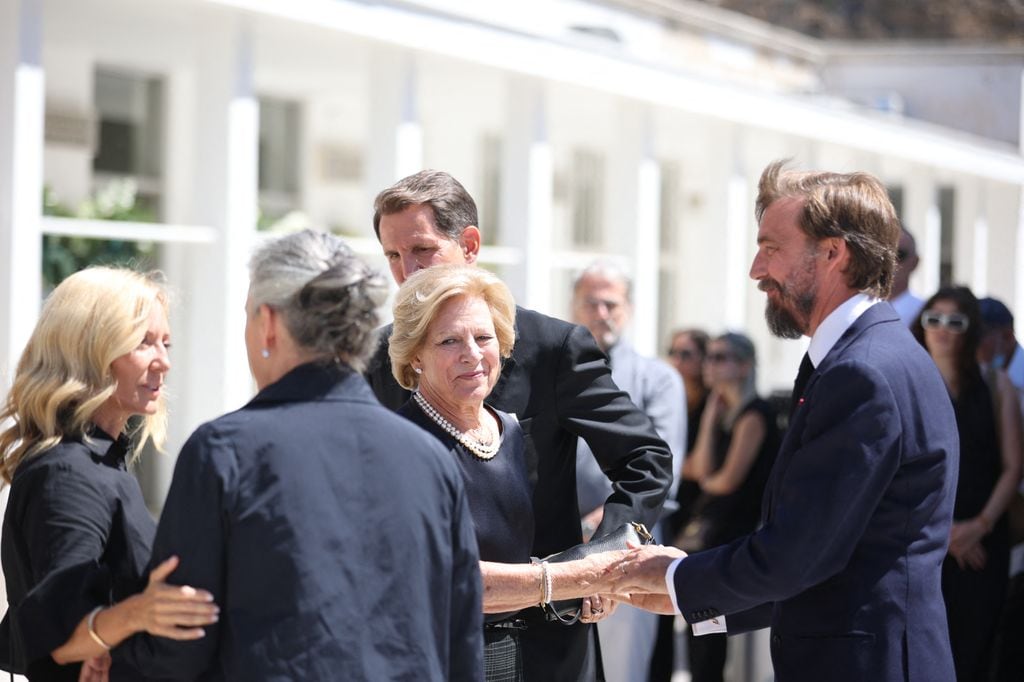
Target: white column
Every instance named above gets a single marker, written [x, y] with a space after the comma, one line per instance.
[979, 278]
[738, 231]
[216, 377]
[395, 141]
[21, 176]
[968, 262]
[177, 261]
[526, 201]
[633, 203]
[922, 218]
[21, 187]
[1018, 264]
[1004, 219]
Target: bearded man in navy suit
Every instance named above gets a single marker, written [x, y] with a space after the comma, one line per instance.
[845, 568]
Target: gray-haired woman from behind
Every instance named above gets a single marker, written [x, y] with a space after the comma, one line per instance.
[334, 534]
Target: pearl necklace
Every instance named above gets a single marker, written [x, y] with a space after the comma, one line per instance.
[484, 451]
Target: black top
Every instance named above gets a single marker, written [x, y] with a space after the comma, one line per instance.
[558, 384]
[76, 535]
[335, 536]
[727, 517]
[981, 463]
[688, 491]
[498, 490]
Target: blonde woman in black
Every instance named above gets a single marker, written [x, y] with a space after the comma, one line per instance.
[88, 392]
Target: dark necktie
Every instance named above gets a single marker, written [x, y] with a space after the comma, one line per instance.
[806, 369]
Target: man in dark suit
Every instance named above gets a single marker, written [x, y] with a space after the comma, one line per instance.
[558, 384]
[856, 517]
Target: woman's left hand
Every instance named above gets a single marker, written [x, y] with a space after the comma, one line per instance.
[596, 608]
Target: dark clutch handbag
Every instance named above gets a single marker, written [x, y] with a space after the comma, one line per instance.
[567, 611]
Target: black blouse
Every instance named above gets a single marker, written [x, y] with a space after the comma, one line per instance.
[499, 491]
[76, 535]
[738, 513]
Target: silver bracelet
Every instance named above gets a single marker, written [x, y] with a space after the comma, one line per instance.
[546, 579]
[91, 625]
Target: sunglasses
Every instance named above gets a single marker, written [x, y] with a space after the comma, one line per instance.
[681, 353]
[957, 323]
[716, 358]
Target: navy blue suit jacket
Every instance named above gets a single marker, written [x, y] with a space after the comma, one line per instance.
[856, 518]
[335, 536]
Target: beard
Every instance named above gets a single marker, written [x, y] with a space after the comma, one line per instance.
[783, 321]
[788, 315]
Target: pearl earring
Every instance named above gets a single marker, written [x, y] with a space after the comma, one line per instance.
[417, 370]
[265, 353]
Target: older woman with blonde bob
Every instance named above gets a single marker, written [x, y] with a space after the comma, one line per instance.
[454, 325]
[77, 535]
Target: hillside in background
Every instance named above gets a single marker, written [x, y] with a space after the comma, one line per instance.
[997, 21]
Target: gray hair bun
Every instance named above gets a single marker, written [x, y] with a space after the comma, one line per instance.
[328, 295]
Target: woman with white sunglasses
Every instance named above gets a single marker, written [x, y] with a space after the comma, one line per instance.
[974, 574]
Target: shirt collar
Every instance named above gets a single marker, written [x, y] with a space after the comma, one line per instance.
[620, 349]
[106, 449]
[835, 325]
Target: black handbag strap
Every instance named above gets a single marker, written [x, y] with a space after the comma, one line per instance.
[554, 615]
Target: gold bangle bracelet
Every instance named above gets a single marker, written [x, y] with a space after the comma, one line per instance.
[91, 626]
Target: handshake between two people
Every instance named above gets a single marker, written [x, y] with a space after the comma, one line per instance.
[634, 576]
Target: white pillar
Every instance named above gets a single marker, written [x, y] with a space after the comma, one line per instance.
[738, 231]
[526, 187]
[21, 186]
[979, 277]
[395, 142]
[633, 205]
[22, 112]
[216, 377]
[1018, 268]
[922, 218]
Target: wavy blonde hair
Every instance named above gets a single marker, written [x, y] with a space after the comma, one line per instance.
[420, 298]
[64, 375]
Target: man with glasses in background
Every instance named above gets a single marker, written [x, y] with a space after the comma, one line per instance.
[602, 301]
[907, 304]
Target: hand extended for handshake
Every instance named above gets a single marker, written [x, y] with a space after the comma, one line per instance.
[634, 576]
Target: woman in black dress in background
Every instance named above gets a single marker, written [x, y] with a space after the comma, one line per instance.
[737, 441]
[974, 574]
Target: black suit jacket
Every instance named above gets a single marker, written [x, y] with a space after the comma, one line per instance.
[559, 385]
